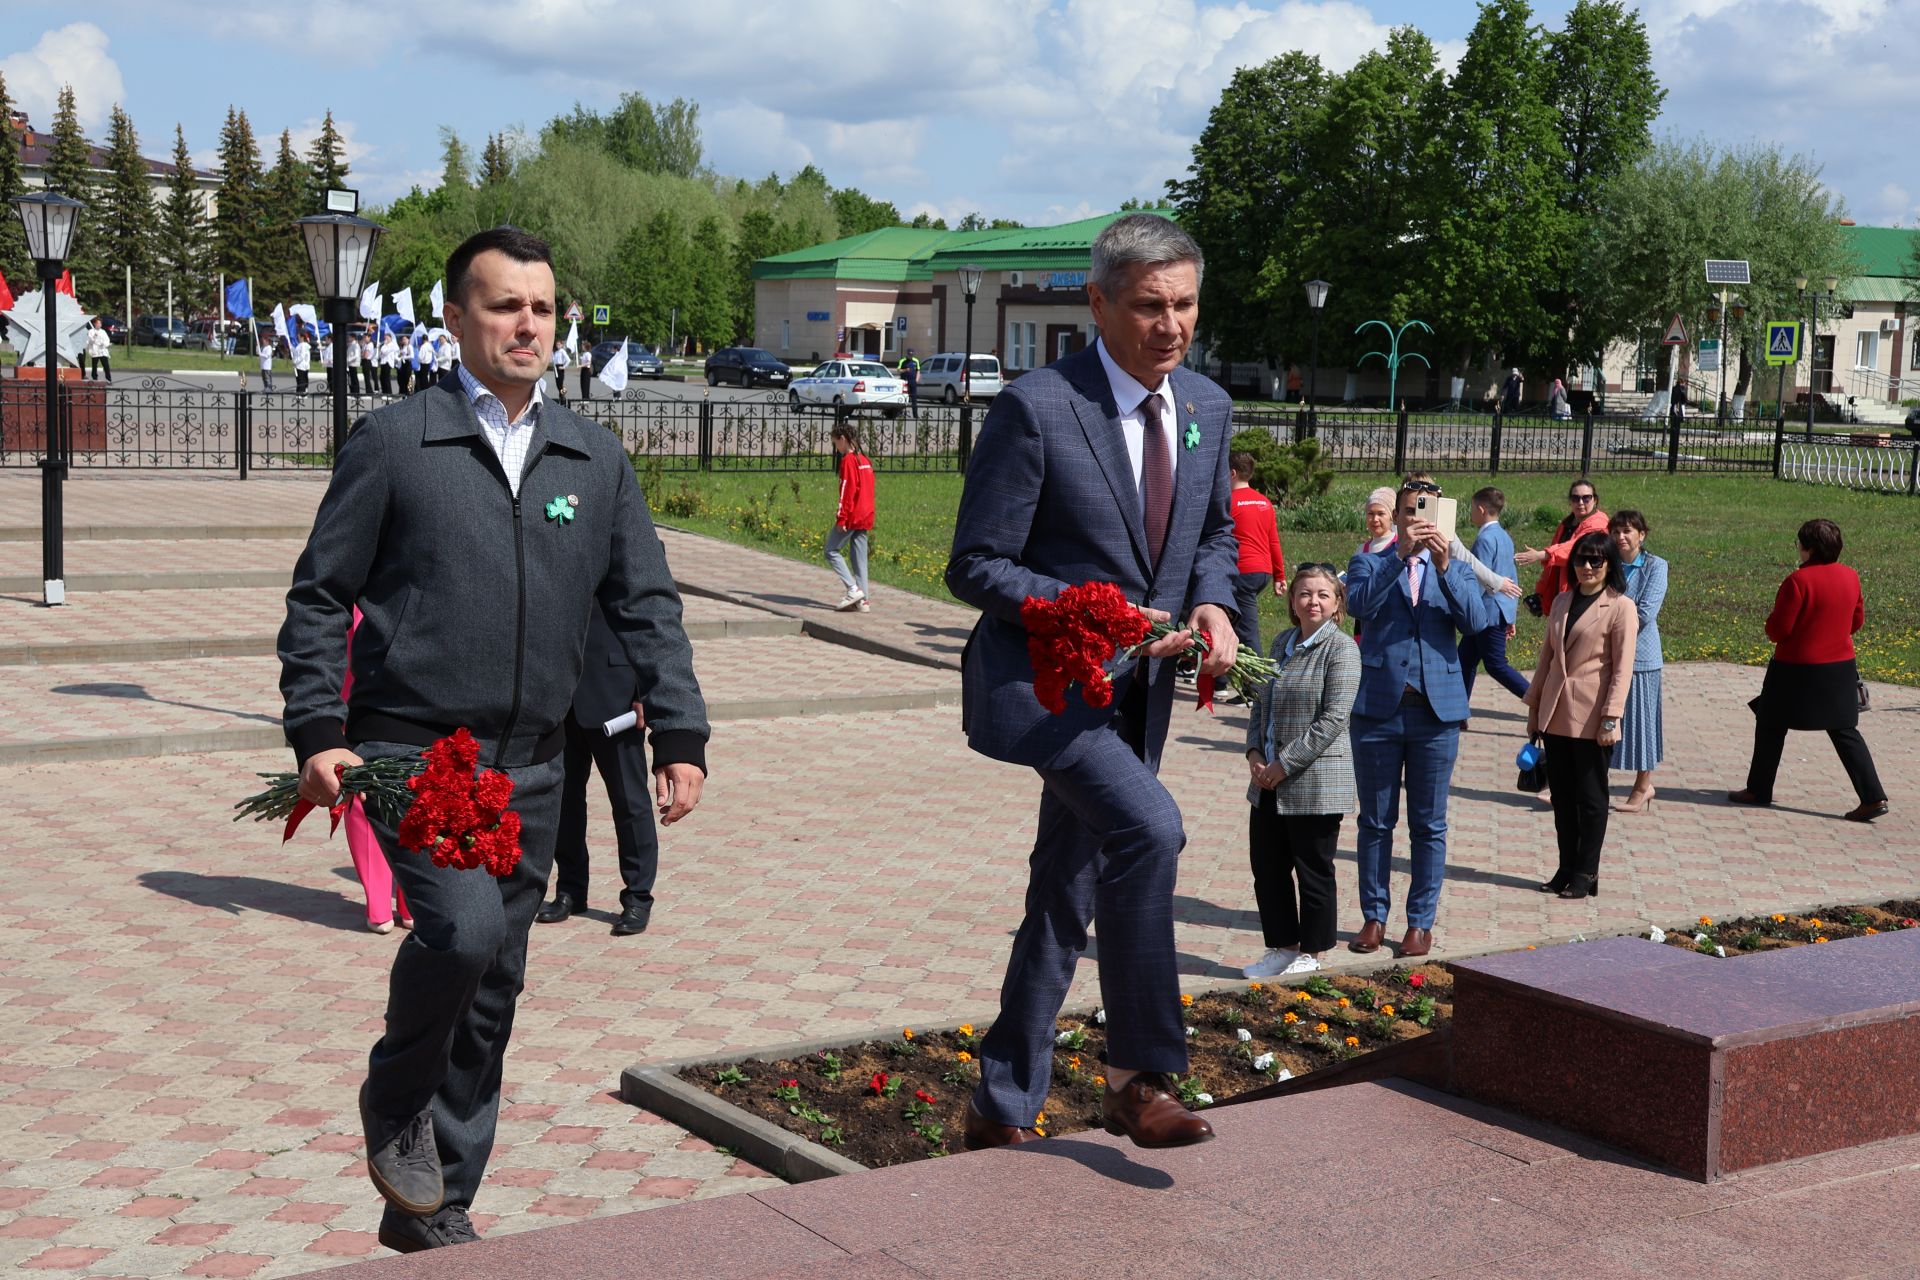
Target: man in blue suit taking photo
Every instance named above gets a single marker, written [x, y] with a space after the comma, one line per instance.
[1109, 465]
[1415, 600]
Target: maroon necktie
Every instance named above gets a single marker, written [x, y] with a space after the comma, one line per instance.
[1156, 477]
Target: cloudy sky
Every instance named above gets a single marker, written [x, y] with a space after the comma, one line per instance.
[1040, 110]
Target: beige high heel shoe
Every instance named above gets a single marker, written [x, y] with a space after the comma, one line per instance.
[1645, 804]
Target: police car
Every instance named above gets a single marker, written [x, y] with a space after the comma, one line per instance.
[850, 384]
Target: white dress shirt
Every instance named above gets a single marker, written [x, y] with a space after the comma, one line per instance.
[1128, 395]
[509, 440]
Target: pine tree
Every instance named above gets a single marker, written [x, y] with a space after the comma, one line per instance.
[182, 247]
[285, 274]
[456, 165]
[238, 211]
[69, 174]
[327, 165]
[126, 220]
[496, 162]
[14, 262]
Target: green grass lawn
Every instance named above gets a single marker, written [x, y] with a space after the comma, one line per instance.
[1728, 540]
[161, 359]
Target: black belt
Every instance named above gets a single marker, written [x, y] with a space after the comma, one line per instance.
[1411, 694]
[380, 726]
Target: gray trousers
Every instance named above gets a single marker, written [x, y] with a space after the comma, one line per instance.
[857, 539]
[1107, 851]
[456, 978]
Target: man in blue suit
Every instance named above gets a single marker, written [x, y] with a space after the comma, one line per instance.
[1413, 598]
[1107, 466]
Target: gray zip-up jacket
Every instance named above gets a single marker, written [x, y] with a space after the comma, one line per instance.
[474, 603]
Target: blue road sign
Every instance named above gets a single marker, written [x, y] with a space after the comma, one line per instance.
[1783, 342]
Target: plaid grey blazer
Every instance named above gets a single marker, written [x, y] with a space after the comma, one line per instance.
[1307, 705]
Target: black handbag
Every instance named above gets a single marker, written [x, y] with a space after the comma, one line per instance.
[1861, 695]
[1533, 767]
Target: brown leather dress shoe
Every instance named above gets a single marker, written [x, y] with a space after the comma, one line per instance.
[980, 1133]
[1146, 1112]
[1869, 811]
[1418, 942]
[1371, 935]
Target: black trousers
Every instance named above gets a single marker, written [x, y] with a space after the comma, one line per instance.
[622, 764]
[1770, 739]
[386, 379]
[103, 368]
[300, 381]
[367, 376]
[586, 382]
[406, 377]
[1283, 848]
[353, 380]
[1577, 773]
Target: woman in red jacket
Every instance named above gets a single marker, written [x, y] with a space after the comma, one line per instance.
[1584, 516]
[1812, 679]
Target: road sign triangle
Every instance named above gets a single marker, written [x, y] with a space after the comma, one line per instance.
[1781, 341]
[1676, 335]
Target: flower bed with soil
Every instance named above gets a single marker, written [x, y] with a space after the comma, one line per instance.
[1748, 934]
[889, 1101]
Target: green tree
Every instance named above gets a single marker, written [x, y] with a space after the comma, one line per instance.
[285, 274]
[182, 246]
[14, 262]
[126, 218]
[640, 135]
[653, 279]
[858, 213]
[1250, 170]
[754, 238]
[456, 163]
[239, 209]
[926, 221]
[70, 172]
[496, 161]
[326, 165]
[708, 319]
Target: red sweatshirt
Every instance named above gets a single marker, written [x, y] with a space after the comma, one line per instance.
[1816, 613]
[1258, 532]
[856, 492]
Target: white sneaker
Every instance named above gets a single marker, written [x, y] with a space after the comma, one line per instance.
[863, 607]
[1302, 963]
[1272, 964]
[849, 602]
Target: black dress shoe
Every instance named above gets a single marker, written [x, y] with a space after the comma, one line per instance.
[404, 1233]
[1581, 886]
[1558, 882]
[559, 909]
[633, 920]
[1868, 811]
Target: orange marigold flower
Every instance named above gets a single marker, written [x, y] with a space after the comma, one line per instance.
[1815, 922]
[1289, 1017]
[1871, 929]
[1706, 920]
[1302, 995]
[1779, 919]
[1099, 1079]
[964, 1056]
[1822, 938]
[906, 1033]
[1186, 1001]
[1075, 1062]
[1319, 1028]
[1041, 1118]
[1254, 986]
[1387, 1009]
[1345, 1003]
[1353, 1042]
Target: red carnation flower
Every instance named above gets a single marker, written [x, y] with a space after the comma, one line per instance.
[1417, 981]
[879, 1082]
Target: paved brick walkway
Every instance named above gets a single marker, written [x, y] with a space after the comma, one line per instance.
[187, 1004]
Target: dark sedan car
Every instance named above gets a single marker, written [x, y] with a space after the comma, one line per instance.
[116, 328]
[641, 361]
[748, 366]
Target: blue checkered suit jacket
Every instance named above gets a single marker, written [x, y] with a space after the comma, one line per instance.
[1050, 502]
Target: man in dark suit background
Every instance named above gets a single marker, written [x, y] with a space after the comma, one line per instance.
[608, 688]
[1109, 465]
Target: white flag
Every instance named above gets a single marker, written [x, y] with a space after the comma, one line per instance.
[403, 303]
[573, 338]
[370, 302]
[280, 324]
[614, 371]
[304, 312]
[439, 296]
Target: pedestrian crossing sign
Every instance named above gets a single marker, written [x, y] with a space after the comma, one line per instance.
[1783, 342]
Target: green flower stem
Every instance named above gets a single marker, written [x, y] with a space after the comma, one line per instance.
[1248, 672]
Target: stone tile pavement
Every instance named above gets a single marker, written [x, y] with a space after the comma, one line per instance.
[105, 500]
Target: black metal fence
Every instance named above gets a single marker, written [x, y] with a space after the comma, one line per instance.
[159, 423]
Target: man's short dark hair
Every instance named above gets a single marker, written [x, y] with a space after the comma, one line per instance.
[521, 246]
[1492, 499]
[1242, 464]
[1821, 538]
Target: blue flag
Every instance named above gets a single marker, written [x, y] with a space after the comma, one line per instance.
[240, 300]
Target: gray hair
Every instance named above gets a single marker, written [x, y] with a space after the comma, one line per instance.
[1140, 239]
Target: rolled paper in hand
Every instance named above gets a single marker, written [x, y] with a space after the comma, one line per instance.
[620, 724]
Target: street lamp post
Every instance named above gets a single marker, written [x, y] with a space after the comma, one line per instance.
[340, 249]
[1317, 291]
[969, 285]
[50, 220]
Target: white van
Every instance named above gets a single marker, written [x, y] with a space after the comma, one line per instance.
[940, 377]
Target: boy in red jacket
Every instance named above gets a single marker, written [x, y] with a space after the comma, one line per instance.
[853, 518]
[1258, 533]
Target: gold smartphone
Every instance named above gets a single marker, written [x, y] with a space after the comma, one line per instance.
[1443, 513]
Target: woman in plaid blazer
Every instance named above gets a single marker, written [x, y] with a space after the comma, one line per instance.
[1300, 760]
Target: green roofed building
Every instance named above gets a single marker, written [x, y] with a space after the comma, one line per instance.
[883, 292]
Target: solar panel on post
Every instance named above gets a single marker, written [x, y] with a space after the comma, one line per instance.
[1728, 271]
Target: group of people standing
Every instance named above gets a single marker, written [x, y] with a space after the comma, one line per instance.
[385, 366]
[1350, 722]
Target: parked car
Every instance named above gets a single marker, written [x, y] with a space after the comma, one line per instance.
[941, 376]
[851, 384]
[116, 328]
[641, 361]
[160, 331]
[204, 335]
[747, 366]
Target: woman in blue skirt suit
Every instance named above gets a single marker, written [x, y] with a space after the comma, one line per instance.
[1642, 737]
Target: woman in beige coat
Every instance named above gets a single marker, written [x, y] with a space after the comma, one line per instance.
[1578, 695]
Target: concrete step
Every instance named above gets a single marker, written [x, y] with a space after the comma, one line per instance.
[19, 584]
[163, 533]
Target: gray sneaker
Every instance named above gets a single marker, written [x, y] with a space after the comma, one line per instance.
[404, 1161]
[404, 1233]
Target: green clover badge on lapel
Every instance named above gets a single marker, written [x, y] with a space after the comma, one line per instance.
[562, 507]
[1192, 438]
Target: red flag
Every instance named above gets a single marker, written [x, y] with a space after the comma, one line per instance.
[6, 295]
[65, 283]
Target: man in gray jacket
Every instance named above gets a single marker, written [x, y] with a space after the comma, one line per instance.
[474, 526]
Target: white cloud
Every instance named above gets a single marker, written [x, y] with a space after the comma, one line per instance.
[71, 55]
[353, 149]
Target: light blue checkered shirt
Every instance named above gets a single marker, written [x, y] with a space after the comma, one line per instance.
[508, 439]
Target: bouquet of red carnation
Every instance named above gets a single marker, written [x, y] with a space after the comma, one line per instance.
[1073, 636]
[441, 806]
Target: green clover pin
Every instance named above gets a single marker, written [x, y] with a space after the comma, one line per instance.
[1193, 435]
[561, 508]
